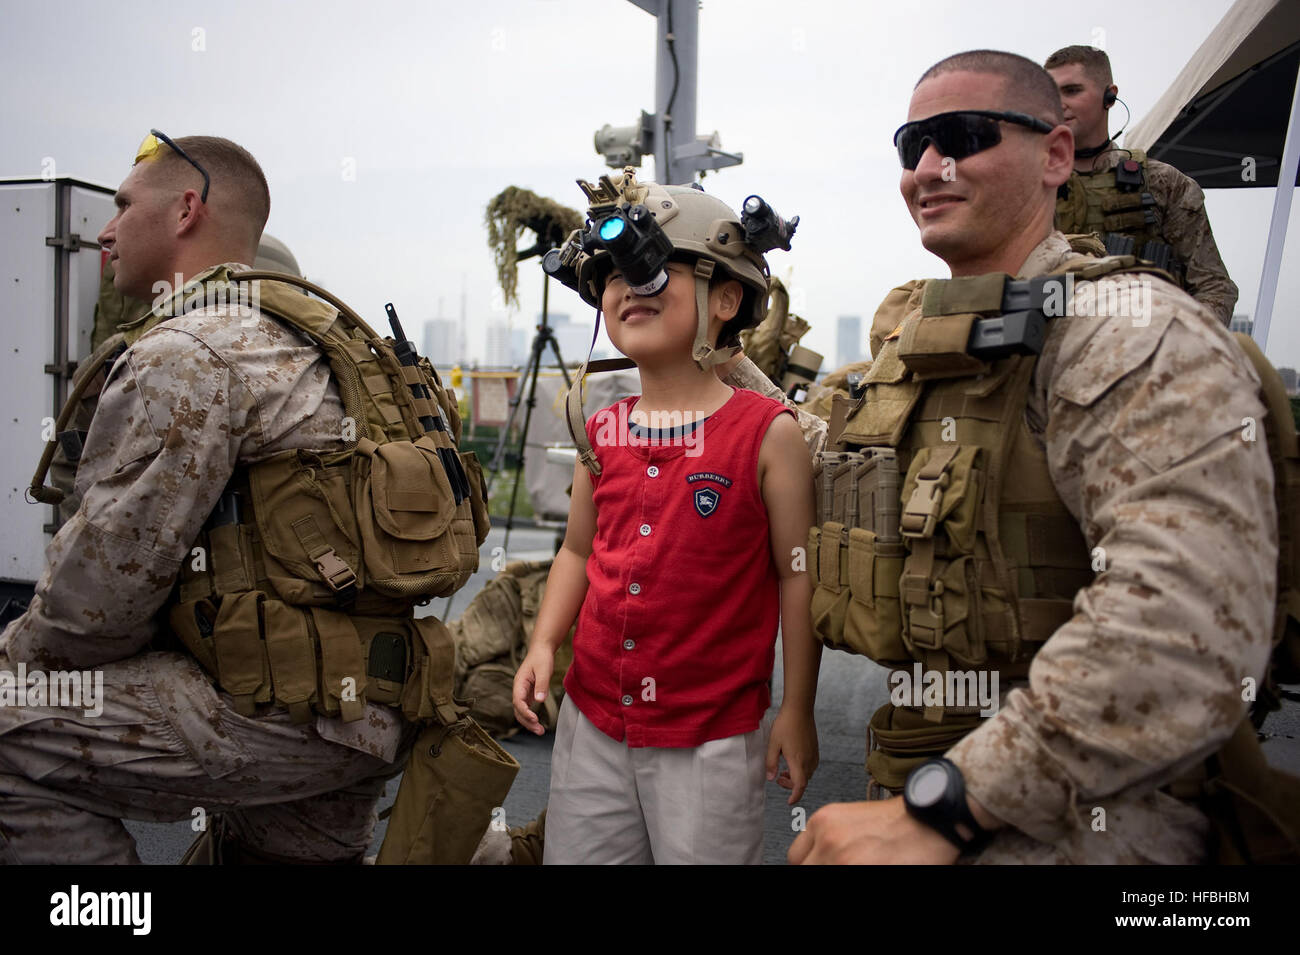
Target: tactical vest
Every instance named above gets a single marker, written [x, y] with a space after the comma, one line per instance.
[1115, 204]
[301, 588]
[942, 539]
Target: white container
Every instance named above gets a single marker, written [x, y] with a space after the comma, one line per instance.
[49, 281]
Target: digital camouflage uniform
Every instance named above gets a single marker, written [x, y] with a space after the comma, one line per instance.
[189, 400]
[1185, 226]
[1142, 427]
[747, 375]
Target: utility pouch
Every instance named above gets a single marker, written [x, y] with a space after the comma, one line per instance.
[873, 623]
[828, 559]
[943, 489]
[429, 691]
[407, 518]
[899, 740]
[880, 419]
[844, 492]
[940, 586]
[1123, 202]
[830, 471]
[935, 347]
[477, 497]
[308, 536]
[242, 667]
[875, 479]
[454, 779]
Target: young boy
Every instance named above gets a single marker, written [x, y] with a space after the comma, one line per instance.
[682, 552]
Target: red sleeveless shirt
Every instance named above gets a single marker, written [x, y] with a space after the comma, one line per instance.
[675, 640]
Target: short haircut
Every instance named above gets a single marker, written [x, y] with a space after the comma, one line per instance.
[1030, 88]
[1095, 62]
[236, 176]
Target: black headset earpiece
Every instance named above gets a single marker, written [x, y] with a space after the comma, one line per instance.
[1108, 99]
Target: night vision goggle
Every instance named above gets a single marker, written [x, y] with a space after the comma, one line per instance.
[639, 249]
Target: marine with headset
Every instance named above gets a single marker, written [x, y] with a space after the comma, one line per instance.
[1138, 205]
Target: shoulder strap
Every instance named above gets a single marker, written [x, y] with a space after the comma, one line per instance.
[1091, 267]
[357, 355]
[103, 357]
[573, 413]
[296, 316]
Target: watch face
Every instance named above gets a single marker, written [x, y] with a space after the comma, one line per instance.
[926, 786]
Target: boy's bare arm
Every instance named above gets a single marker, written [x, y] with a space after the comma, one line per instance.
[566, 588]
[786, 479]
[785, 476]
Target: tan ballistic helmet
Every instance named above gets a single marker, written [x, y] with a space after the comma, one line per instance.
[698, 225]
[275, 255]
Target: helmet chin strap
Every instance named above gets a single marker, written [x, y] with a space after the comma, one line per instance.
[705, 355]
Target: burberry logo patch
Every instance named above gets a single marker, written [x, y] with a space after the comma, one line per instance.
[708, 476]
[706, 501]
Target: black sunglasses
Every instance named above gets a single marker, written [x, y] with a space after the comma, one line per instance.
[958, 134]
[149, 150]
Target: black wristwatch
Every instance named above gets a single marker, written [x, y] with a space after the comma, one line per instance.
[935, 794]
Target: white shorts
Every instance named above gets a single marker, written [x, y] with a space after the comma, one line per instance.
[615, 804]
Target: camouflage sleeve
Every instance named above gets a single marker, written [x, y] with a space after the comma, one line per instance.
[161, 448]
[1187, 228]
[747, 375]
[1151, 442]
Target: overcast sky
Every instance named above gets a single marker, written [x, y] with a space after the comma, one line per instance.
[437, 107]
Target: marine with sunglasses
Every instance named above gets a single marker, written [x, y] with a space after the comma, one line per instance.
[207, 387]
[1080, 515]
[1137, 203]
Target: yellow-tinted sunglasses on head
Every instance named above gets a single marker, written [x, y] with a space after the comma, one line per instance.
[148, 151]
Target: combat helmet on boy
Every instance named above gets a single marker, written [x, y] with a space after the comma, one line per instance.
[638, 228]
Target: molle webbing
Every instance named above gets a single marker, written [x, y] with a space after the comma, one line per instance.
[261, 650]
[1096, 203]
[988, 559]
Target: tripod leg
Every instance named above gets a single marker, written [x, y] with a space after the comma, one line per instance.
[534, 367]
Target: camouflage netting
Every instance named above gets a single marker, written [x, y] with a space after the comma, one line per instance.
[491, 639]
[768, 344]
[509, 215]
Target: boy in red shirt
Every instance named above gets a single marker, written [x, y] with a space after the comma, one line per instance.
[684, 548]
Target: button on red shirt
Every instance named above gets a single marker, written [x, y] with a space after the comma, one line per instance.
[675, 640]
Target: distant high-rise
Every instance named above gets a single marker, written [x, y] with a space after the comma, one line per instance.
[1289, 379]
[498, 346]
[442, 343]
[1242, 323]
[520, 346]
[848, 340]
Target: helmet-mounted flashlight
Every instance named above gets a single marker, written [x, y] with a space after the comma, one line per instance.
[638, 248]
[764, 229]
